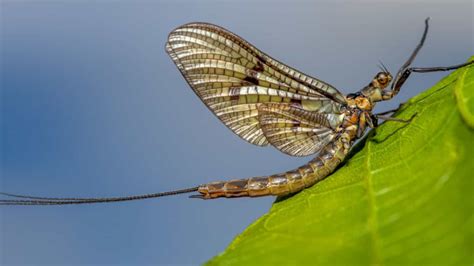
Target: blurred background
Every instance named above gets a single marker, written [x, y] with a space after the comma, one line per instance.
[91, 105]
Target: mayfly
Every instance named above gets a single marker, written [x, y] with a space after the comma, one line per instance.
[267, 102]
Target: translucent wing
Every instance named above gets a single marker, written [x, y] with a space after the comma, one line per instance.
[295, 131]
[233, 78]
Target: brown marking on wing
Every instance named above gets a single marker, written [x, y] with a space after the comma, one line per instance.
[259, 66]
[234, 93]
[261, 58]
[296, 102]
[251, 80]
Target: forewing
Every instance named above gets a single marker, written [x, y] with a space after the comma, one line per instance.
[233, 78]
[295, 131]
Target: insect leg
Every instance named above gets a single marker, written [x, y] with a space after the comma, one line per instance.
[403, 73]
[398, 83]
[435, 69]
[391, 110]
[389, 118]
[406, 70]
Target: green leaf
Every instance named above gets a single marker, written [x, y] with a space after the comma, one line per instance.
[404, 197]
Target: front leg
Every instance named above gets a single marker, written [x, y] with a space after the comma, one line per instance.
[398, 83]
[403, 74]
[405, 71]
[389, 118]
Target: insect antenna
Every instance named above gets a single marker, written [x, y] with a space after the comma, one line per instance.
[383, 67]
[33, 200]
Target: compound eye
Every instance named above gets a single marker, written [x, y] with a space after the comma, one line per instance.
[382, 78]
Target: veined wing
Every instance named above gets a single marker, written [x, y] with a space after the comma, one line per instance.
[295, 131]
[233, 78]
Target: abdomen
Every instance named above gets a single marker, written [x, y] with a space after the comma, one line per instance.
[281, 184]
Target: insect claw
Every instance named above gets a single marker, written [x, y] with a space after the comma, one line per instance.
[413, 116]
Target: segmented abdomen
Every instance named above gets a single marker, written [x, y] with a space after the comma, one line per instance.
[281, 184]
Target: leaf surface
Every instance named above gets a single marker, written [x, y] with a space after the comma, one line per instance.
[405, 197]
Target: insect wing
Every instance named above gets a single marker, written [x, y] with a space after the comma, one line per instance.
[295, 131]
[233, 78]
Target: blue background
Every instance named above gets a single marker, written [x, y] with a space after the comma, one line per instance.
[91, 105]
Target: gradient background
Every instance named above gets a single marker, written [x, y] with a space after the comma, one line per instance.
[91, 105]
